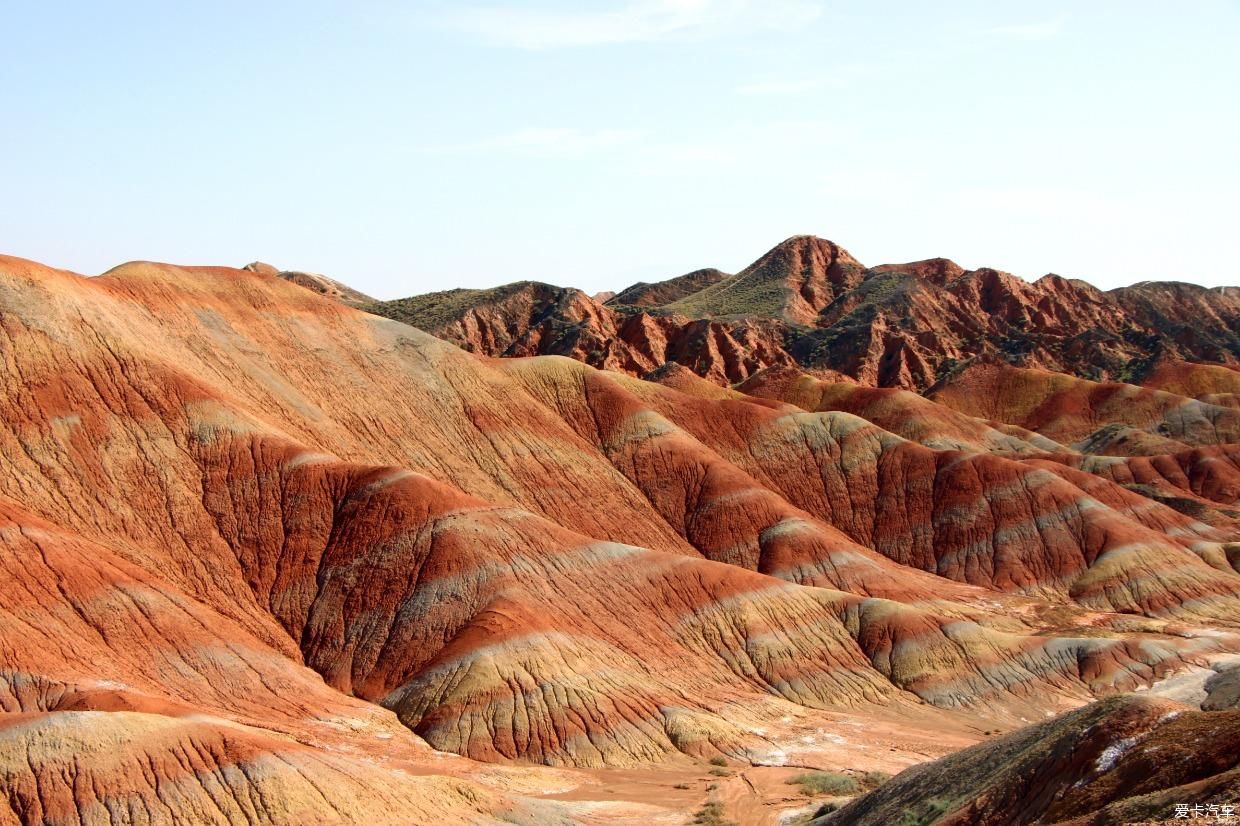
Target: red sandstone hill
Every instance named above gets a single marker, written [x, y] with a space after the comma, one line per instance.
[267, 557]
[1103, 418]
[809, 302]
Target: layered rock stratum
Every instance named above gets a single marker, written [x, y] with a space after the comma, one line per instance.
[270, 558]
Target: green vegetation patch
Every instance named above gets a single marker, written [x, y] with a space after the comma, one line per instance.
[434, 310]
[872, 780]
[712, 815]
[925, 813]
[818, 783]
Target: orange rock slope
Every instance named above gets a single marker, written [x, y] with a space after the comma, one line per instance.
[267, 557]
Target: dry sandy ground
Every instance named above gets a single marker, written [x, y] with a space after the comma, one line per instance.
[760, 795]
[1188, 686]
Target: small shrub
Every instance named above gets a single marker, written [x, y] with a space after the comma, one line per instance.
[826, 809]
[874, 779]
[681, 786]
[712, 815]
[816, 783]
[717, 761]
[717, 772]
[710, 787]
[925, 814]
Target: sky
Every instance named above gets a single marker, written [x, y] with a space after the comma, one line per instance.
[405, 147]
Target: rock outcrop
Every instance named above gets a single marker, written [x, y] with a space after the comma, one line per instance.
[320, 284]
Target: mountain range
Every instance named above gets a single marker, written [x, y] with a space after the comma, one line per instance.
[809, 303]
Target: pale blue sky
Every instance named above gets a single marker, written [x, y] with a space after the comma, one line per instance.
[406, 147]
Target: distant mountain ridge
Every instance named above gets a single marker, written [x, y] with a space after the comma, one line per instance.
[810, 303]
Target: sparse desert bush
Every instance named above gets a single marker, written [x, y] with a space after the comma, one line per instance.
[925, 814]
[717, 772]
[826, 809]
[873, 780]
[712, 815]
[681, 786]
[718, 761]
[816, 783]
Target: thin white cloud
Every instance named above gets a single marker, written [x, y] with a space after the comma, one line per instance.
[652, 153]
[1030, 201]
[1036, 30]
[786, 88]
[544, 142]
[693, 153]
[742, 147]
[838, 78]
[664, 160]
[635, 21]
[1085, 206]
